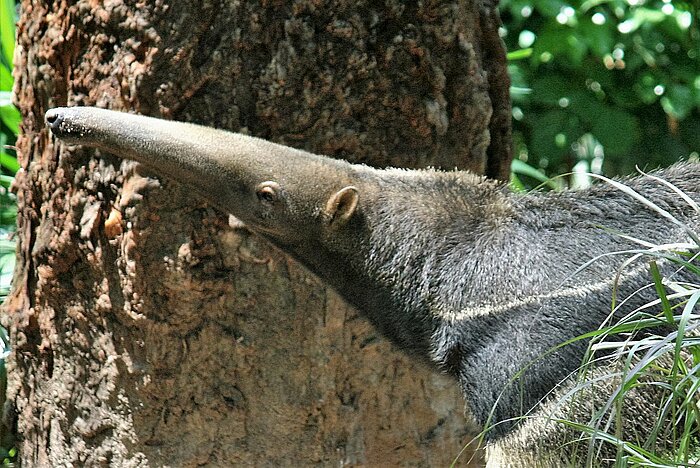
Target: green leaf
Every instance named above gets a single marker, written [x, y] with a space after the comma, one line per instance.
[599, 38]
[8, 161]
[553, 40]
[678, 101]
[615, 129]
[553, 133]
[561, 42]
[586, 105]
[6, 79]
[577, 48]
[7, 32]
[549, 89]
[7, 43]
[8, 215]
[11, 117]
[549, 7]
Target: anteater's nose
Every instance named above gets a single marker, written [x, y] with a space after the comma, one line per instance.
[53, 119]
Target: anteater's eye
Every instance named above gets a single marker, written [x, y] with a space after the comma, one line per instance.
[268, 192]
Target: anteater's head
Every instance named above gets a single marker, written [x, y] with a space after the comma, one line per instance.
[296, 199]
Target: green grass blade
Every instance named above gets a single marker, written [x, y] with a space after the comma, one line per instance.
[678, 191]
[661, 291]
[519, 54]
[682, 325]
[516, 184]
[522, 168]
[648, 203]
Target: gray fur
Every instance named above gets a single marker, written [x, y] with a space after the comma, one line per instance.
[454, 269]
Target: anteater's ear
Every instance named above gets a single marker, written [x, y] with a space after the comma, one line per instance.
[342, 205]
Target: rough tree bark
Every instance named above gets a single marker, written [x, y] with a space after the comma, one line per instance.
[149, 329]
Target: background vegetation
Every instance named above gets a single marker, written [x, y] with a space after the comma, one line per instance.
[603, 85]
[9, 127]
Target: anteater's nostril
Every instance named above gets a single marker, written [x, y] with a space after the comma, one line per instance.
[52, 118]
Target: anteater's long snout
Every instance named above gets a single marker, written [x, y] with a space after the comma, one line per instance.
[196, 156]
[224, 167]
[55, 119]
[78, 124]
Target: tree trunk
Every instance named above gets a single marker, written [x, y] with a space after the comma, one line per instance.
[149, 329]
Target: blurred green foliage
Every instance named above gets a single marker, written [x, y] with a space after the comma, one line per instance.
[9, 128]
[603, 85]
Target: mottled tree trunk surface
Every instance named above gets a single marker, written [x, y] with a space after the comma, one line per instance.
[149, 329]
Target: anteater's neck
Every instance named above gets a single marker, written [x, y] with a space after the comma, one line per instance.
[484, 283]
[412, 251]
